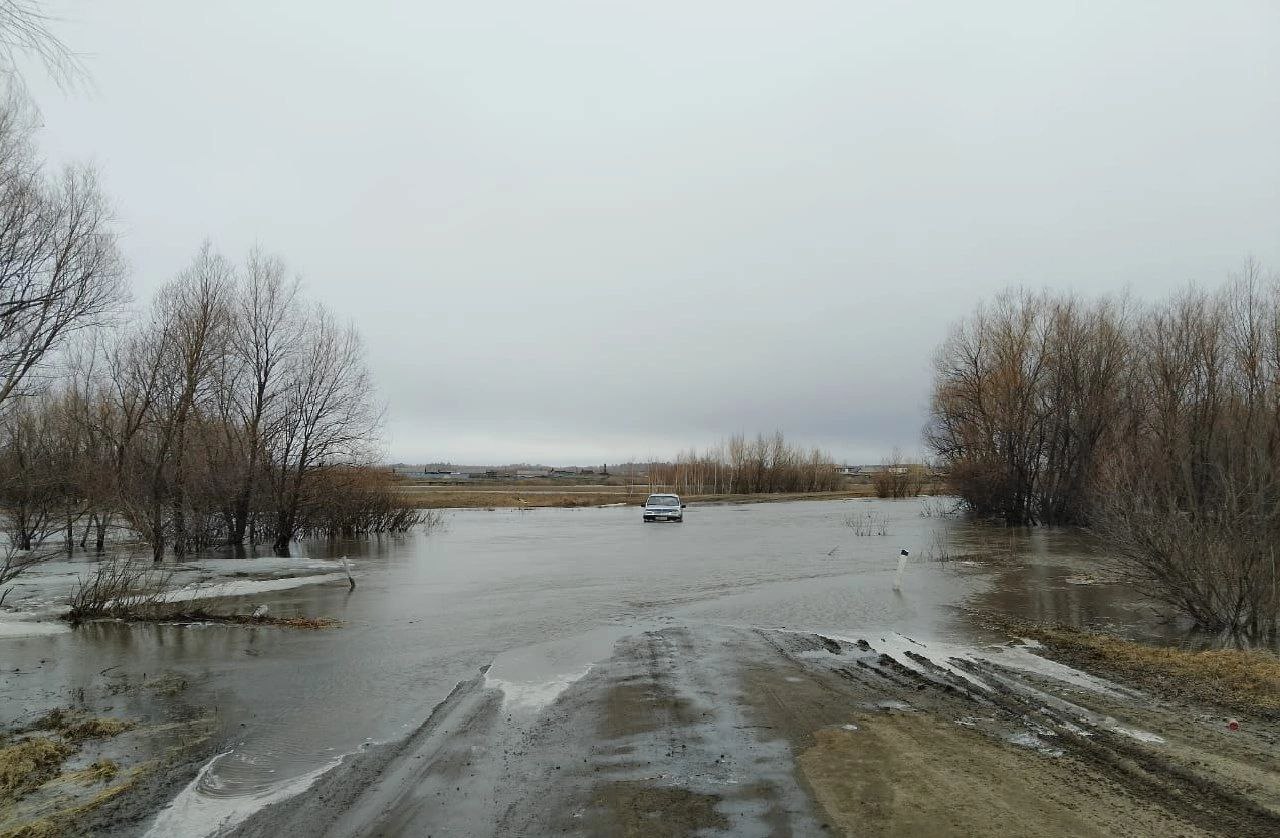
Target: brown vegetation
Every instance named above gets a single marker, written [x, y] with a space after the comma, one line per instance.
[1159, 427]
[764, 465]
[24, 765]
[898, 479]
[230, 411]
[1246, 679]
[201, 615]
[1025, 402]
[76, 727]
[40, 793]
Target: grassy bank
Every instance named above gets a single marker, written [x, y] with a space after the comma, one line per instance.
[1246, 681]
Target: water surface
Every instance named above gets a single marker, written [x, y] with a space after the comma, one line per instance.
[543, 591]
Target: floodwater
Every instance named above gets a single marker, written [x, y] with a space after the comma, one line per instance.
[541, 594]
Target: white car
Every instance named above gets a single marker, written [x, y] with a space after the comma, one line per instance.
[664, 508]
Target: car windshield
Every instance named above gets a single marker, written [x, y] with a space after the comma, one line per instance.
[662, 500]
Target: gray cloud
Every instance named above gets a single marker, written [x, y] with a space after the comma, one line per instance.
[575, 232]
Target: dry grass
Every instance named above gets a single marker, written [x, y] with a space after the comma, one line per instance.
[73, 727]
[101, 771]
[39, 799]
[66, 821]
[1244, 679]
[25, 765]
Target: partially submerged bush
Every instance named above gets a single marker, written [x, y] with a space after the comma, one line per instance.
[141, 592]
[1157, 425]
[897, 479]
[121, 588]
[357, 501]
[1218, 565]
[865, 523]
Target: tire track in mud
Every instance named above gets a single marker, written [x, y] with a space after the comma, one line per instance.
[731, 731]
[1113, 765]
[668, 752]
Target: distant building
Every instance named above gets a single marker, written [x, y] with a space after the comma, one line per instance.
[526, 473]
[443, 475]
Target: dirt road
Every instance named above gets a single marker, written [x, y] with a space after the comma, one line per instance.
[714, 730]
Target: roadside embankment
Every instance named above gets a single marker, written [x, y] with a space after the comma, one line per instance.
[1244, 680]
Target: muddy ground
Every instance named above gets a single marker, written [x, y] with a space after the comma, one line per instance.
[712, 730]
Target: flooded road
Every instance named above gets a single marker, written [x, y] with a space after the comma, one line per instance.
[543, 594]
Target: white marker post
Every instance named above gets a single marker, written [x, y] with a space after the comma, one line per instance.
[902, 565]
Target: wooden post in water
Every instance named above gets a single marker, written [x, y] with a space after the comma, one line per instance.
[902, 565]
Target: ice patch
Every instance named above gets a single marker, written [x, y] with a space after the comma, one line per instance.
[246, 587]
[31, 628]
[197, 813]
[893, 704]
[1034, 742]
[1021, 658]
[1133, 732]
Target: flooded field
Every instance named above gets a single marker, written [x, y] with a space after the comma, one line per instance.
[542, 595]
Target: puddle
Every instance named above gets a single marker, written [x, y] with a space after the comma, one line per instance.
[533, 677]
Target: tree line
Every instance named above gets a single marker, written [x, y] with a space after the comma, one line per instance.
[231, 410]
[765, 464]
[1156, 425]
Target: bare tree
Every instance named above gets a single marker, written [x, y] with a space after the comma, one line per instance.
[765, 464]
[265, 343]
[25, 31]
[325, 417]
[60, 268]
[1159, 427]
[1026, 394]
[170, 375]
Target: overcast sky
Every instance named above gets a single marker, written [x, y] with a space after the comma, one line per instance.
[579, 232]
